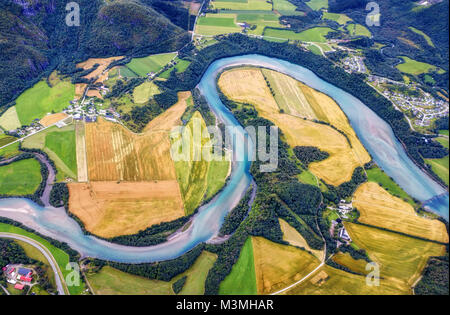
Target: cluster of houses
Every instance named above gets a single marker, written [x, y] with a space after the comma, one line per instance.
[27, 130]
[89, 112]
[18, 276]
[344, 208]
[354, 64]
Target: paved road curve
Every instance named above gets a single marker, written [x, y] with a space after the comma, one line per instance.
[50, 258]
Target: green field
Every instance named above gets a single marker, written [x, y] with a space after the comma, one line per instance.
[61, 257]
[315, 50]
[242, 279]
[9, 120]
[144, 92]
[444, 132]
[358, 30]
[427, 38]
[20, 178]
[306, 177]
[414, 67]
[198, 178]
[316, 34]
[378, 176]
[10, 150]
[180, 67]
[443, 141]
[59, 144]
[214, 24]
[42, 99]
[152, 63]
[125, 72]
[440, 167]
[242, 5]
[339, 18]
[111, 281]
[317, 4]
[4, 140]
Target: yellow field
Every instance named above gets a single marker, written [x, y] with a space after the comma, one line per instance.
[52, 119]
[379, 208]
[248, 85]
[277, 266]
[111, 209]
[81, 151]
[9, 120]
[337, 282]
[346, 260]
[79, 90]
[115, 153]
[291, 236]
[99, 72]
[401, 258]
[110, 281]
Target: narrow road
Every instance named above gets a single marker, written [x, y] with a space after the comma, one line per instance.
[46, 253]
[4, 289]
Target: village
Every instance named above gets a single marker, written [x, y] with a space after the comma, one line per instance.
[343, 211]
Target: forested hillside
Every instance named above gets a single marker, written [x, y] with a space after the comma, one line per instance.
[34, 37]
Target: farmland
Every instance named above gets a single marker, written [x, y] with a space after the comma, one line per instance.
[317, 4]
[198, 177]
[294, 238]
[242, 279]
[52, 119]
[377, 175]
[358, 30]
[379, 208]
[39, 100]
[20, 178]
[331, 281]
[99, 72]
[214, 24]
[181, 66]
[247, 85]
[60, 145]
[110, 281]
[339, 18]
[152, 63]
[440, 167]
[111, 209]
[259, 5]
[277, 266]
[401, 258]
[4, 139]
[144, 92]
[80, 140]
[9, 120]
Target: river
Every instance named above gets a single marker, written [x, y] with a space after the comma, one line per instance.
[374, 133]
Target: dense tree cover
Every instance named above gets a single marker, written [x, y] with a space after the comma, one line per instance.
[175, 11]
[441, 124]
[359, 43]
[37, 39]
[378, 64]
[237, 215]
[300, 198]
[435, 278]
[341, 5]
[12, 253]
[308, 154]
[178, 285]
[153, 235]
[59, 195]
[164, 270]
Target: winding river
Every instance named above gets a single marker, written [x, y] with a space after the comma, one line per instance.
[375, 134]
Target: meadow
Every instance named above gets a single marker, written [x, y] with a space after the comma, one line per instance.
[152, 63]
[242, 279]
[4, 139]
[180, 67]
[440, 167]
[60, 145]
[248, 85]
[9, 120]
[110, 281]
[142, 93]
[339, 18]
[414, 67]
[427, 38]
[20, 178]
[317, 4]
[358, 30]
[315, 34]
[41, 99]
[259, 5]
[379, 208]
[214, 24]
[10, 150]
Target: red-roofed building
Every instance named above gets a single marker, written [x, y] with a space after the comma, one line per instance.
[4, 268]
[26, 279]
[11, 270]
[19, 286]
